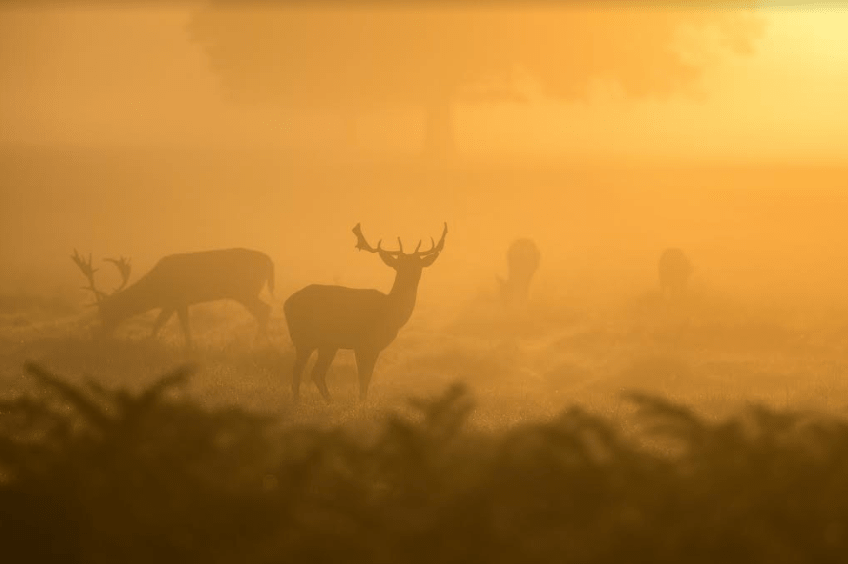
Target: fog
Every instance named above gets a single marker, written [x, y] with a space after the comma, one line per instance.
[121, 137]
[578, 396]
[772, 231]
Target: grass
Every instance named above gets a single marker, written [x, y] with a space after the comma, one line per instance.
[705, 353]
[697, 433]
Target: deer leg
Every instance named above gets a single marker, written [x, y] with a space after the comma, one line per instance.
[161, 320]
[300, 360]
[365, 361]
[319, 371]
[182, 313]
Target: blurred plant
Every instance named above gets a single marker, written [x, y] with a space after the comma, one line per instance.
[113, 476]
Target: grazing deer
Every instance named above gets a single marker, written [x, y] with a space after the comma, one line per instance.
[329, 318]
[674, 269]
[522, 262]
[180, 280]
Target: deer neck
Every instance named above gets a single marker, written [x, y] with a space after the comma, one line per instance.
[402, 298]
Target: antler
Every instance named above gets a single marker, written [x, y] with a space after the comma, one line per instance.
[434, 248]
[363, 245]
[88, 271]
[124, 267]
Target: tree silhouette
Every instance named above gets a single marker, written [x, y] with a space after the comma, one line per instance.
[367, 56]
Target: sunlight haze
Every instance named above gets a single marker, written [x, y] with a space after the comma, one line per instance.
[423, 281]
[130, 75]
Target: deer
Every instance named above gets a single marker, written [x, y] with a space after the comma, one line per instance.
[523, 261]
[177, 281]
[327, 318]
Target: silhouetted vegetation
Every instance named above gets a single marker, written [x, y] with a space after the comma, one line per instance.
[483, 55]
[97, 475]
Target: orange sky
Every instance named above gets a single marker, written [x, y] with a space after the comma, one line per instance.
[130, 74]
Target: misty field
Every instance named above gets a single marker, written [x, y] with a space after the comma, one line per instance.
[604, 422]
[711, 353]
[655, 430]
[625, 339]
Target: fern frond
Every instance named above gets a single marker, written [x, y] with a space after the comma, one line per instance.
[90, 411]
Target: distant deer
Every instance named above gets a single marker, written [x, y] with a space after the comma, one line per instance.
[522, 262]
[329, 318]
[674, 271]
[180, 280]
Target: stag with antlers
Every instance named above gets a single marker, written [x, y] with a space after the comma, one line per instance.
[180, 280]
[329, 318]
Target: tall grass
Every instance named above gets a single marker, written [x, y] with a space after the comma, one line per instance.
[98, 475]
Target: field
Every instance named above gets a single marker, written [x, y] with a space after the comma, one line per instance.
[685, 469]
[601, 423]
[520, 365]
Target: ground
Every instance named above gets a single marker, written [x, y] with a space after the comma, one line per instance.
[707, 351]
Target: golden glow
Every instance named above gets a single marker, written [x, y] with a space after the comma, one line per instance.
[116, 77]
[131, 75]
[559, 153]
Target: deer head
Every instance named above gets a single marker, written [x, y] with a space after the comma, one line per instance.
[101, 298]
[122, 264]
[406, 264]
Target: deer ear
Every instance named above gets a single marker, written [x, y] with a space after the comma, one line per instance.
[428, 260]
[389, 260]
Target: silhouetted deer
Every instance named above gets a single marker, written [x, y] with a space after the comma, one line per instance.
[674, 271]
[180, 280]
[522, 263]
[329, 318]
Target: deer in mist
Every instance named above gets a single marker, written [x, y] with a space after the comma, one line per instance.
[180, 280]
[523, 259]
[674, 270]
[328, 318]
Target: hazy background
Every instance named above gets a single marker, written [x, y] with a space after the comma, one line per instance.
[143, 130]
[605, 135]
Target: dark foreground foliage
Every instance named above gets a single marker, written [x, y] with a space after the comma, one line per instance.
[91, 475]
